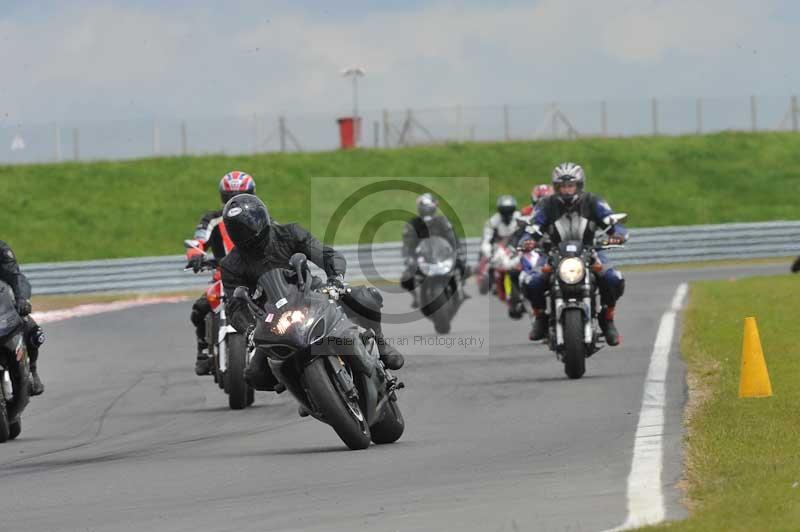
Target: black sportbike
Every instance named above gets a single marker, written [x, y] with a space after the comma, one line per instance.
[572, 299]
[14, 367]
[327, 363]
[437, 282]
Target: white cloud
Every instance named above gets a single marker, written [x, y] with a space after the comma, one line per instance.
[106, 60]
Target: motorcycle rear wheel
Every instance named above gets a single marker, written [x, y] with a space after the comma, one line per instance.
[330, 403]
[5, 428]
[14, 429]
[574, 348]
[391, 427]
[237, 357]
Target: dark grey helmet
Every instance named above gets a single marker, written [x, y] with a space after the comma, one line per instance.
[426, 205]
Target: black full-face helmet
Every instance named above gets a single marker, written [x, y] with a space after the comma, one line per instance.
[247, 221]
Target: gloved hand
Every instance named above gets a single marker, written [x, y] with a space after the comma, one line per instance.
[615, 240]
[336, 281]
[796, 265]
[528, 245]
[23, 306]
[196, 263]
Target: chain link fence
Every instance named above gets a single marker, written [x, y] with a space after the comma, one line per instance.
[40, 143]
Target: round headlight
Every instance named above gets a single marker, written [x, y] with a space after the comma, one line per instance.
[571, 270]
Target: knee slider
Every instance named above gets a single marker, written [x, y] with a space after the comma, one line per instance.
[36, 337]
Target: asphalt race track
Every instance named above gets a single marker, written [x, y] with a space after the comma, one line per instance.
[497, 439]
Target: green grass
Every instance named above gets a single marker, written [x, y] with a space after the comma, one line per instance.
[74, 211]
[743, 455]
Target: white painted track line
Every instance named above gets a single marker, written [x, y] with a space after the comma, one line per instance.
[645, 494]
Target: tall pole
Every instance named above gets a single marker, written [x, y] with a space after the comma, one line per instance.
[385, 118]
[753, 114]
[794, 114]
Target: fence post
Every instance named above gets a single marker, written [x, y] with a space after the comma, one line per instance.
[58, 144]
[282, 132]
[255, 133]
[156, 139]
[753, 113]
[184, 144]
[554, 120]
[699, 115]
[654, 109]
[506, 124]
[459, 125]
[794, 113]
[76, 152]
[603, 119]
[376, 133]
[385, 119]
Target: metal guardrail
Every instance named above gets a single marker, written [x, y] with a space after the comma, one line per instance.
[646, 246]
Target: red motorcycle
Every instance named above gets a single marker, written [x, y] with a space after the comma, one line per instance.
[226, 347]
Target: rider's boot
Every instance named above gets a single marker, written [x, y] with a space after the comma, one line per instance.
[260, 376]
[35, 341]
[606, 320]
[539, 326]
[390, 356]
[202, 365]
[414, 299]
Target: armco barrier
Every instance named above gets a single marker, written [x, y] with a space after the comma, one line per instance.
[646, 246]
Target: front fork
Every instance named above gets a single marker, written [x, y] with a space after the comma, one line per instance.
[222, 346]
[557, 305]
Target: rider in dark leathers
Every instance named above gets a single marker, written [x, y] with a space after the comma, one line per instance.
[33, 334]
[211, 235]
[263, 245]
[428, 224]
[567, 204]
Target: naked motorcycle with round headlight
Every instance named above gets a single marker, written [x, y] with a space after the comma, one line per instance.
[572, 300]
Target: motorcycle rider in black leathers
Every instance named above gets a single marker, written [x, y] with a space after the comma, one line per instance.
[210, 234]
[262, 245]
[33, 334]
[428, 224]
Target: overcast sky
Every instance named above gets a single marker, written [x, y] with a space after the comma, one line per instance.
[97, 60]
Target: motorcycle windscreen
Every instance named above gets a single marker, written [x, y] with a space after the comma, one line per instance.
[435, 249]
[9, 318]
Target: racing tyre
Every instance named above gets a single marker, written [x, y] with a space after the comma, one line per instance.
[235, 384]
[574, 348]
[390, 427]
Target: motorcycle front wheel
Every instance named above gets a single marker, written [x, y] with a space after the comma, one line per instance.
[338, 411]
[236, 386]
[574, 348]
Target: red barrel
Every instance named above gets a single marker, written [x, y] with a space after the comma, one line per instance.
[348, 130]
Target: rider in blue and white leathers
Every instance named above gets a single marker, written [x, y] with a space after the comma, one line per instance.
[572, 208]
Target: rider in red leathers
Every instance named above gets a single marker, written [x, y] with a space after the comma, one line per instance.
[212, 236]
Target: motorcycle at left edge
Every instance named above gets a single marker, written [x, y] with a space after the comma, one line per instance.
[14, 367]
[226, 348]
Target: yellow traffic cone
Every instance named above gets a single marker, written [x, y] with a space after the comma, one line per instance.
[754, 380]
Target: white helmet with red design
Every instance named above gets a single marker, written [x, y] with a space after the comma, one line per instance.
[235, 183]
[539, 192]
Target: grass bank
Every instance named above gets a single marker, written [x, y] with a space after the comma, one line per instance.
[74, 211]
[743, 458]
